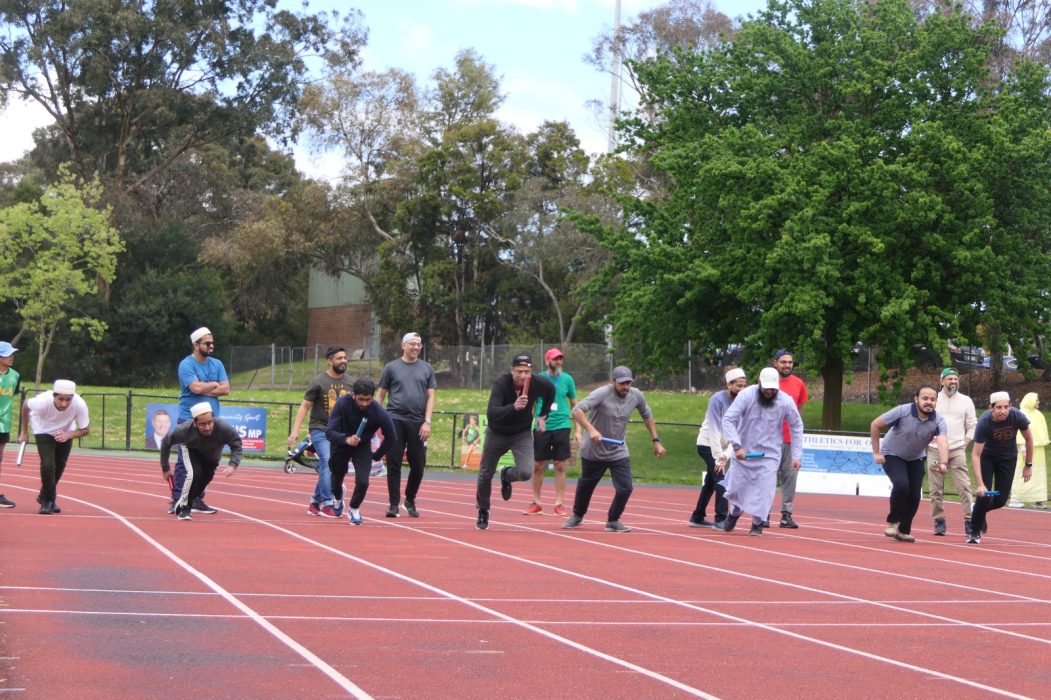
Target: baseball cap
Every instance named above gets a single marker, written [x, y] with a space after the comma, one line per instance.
[945, 372]
[769, 378]
[7, 349]
[333, 350]
[622, 374]
[411, 335]
[553, 353]
[781, 353]
[525, 359]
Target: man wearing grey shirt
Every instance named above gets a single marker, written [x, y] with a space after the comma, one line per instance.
[911, 426]
[604, 415]
[203, 437]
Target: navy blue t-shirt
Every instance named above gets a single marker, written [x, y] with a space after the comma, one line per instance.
[999, 436]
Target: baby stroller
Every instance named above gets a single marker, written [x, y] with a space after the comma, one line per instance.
[303, 454]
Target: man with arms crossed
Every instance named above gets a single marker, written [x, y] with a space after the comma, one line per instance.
[324, 390]
[958, 411]
[787, 475]
[410, 383]
[552, 443]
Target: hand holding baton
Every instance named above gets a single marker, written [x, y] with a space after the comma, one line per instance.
[753, 455]
[361, 427]
[21, 453]
[612, 441]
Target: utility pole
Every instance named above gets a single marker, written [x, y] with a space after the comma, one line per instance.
[614, 85]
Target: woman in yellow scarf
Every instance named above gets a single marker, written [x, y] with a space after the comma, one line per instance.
[1035, 490]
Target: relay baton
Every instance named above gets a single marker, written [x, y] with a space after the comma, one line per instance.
[171, 482]
[361, 427]
[525, 386]
[753, 455]
[612, 441]
[21, 453]
[994, 492]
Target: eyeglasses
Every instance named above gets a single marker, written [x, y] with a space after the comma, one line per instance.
[209, 343]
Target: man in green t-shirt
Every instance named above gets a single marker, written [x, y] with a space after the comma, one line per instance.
[552, 444]
[9, 380]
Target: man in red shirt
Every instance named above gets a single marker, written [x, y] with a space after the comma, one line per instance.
[795, 388]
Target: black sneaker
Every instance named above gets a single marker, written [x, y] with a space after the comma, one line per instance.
[701, 523]
[54, 507]
[757, 530]
[939, 527]
[974, 538]
[505, 485]
[201, 507]
[572, 522]
[410, 508]
[4, 503]
[45, 508]
[183, 512]
[483, 519]
[392, 512]
[727, 525]
[786, 521]
[617, 526]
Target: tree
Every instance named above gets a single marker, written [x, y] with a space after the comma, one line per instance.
[826, 184]
[135, 87]
[53, 254]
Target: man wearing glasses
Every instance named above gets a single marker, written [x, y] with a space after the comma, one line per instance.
[788, 472]
[202, 378]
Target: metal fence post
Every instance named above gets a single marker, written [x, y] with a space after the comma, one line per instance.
[127, 422]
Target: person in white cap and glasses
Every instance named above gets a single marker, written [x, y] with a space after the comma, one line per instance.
[710, 445]
[9, 385]
[203, 437]
[201, 378]
[753, 427]
[552, 444]
[994, 457]
[57, 417]
[409, 384]
[604, 414]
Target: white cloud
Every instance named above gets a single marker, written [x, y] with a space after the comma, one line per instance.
[20, 119]
[568, 7]
[532, 100]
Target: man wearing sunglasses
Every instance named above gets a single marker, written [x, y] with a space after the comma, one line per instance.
[202, 378]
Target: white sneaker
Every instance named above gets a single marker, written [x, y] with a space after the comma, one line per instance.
[1014, 504]
[378, 471]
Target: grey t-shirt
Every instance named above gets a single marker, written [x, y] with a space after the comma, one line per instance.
[909, 436]
[406, 384]
[610, 414]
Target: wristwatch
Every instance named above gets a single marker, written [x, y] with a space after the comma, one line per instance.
[657, 439]
[427, 421]
[1029, 464]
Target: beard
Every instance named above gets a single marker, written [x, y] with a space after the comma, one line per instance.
[951, 390]
[554, 371]
[766, 402]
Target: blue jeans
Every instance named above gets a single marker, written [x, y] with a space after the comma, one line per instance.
[323, 490]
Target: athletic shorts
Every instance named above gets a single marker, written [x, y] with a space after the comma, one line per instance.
[551, 445]
[5, 438]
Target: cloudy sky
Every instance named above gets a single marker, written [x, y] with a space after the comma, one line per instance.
[536, 47]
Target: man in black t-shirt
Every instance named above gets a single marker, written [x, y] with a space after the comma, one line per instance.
[994, 457]
[322, 394]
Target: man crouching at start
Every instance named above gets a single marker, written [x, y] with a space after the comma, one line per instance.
[204, 437]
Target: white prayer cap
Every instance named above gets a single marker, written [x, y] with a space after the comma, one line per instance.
[999, 396]
[200, 408]
[735, 373]
[411, 336]
[199, 333]
[769, 378]
[65, 387]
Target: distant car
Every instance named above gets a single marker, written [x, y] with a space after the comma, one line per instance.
[967, 356]
[1010, 363]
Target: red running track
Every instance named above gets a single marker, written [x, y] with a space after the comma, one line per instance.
[114, 598]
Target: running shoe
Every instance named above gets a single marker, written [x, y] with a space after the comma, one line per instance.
[483, 519]
[410, 508]
[328, 512]
[313, 509]
[201, 507]
[561, 510]
[572, 522]
[533, 509]
[4, 503]
[617, 526]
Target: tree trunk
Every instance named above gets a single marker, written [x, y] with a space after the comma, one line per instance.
[832, 408]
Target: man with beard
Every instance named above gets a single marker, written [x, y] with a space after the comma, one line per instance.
[710, 443]
[994, 457]
[958, 411]
[201, 378]
[605, 414]
[203, 437]
[787, 475]
[511, 409]
[411, 384]
[753, 427]
[912, 427]
[322, 394]
[552, 443]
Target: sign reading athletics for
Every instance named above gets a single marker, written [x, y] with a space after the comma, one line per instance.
[841, 464]
[248, 421]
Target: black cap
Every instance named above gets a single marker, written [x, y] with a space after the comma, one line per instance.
[523, 359]
[333, 350]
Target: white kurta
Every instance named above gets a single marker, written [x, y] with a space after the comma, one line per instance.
[751, 484]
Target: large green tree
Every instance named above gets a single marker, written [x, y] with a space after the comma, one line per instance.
[826, 183]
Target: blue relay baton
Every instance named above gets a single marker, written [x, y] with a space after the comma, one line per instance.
[753, 455]
[361, 427]
[994, 492]
[612, 441]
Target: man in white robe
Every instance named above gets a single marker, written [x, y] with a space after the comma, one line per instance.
[753, 427]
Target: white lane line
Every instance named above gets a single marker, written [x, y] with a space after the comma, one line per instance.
[318, 663]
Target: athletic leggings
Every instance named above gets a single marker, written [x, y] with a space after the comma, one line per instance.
[711, 478]
[906, 478]
[339, 465]
[997, 474]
